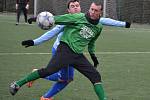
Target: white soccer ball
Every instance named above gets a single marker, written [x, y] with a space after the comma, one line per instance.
[45, 20]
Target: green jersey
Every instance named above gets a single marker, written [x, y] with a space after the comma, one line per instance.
[78, 32]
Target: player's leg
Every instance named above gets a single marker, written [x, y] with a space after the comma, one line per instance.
[85, 67]
[56, 88]
[53, 77]
[41, 73]
[56, 76]
[25, 11]
[66, 76]
[18, 15]
[63, 78]
[67, 73]
[57, 61]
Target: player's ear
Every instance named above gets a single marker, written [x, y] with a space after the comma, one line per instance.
[68, 10]
[101, 14]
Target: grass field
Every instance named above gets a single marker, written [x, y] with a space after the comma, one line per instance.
[124, 55]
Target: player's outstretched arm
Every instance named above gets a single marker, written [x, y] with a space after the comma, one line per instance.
[49, 35]
[91, 50]
[45, 37]
[112, 22]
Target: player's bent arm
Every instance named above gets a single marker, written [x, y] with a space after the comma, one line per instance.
[112, 22]
[49, 35]
[91, 50]
[45, 37]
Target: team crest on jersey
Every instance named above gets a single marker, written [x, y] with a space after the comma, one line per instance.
[86, 32]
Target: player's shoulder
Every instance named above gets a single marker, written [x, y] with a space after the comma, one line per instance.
[99, 26]
[82, 14]
[75, 14]
[79, 13]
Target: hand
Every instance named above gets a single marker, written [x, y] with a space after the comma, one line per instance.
[94, 58]
[27, 6]
[16, 6]
[128, 24]
[27, 43]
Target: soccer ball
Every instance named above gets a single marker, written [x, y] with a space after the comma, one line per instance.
[45, 20]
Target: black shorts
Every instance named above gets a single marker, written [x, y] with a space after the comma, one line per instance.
[64, 57]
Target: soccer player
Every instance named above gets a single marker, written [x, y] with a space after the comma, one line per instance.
[88, 34]
[65, 75]
[22, 6]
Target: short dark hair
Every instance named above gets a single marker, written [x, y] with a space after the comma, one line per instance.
[70, 1]
[98, 3]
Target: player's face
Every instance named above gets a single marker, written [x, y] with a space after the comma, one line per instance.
[95, 11]
[74, 7]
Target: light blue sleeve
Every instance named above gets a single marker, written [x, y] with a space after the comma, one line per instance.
[49, 35]
[111, 22]
[57, 42]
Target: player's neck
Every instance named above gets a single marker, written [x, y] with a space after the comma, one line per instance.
[95, 22]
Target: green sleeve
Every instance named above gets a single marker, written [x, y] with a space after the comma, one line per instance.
[67, 19]
[91, 45]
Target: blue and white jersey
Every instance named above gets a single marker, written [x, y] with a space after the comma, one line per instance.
[57, 42]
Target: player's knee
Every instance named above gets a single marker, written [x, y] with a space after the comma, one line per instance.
[96, 81]
[96, 78]
[43, 72]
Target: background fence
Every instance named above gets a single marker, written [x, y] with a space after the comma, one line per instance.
[137, 11]
[10, 6]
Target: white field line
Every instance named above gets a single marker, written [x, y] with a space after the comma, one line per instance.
[112, 53]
